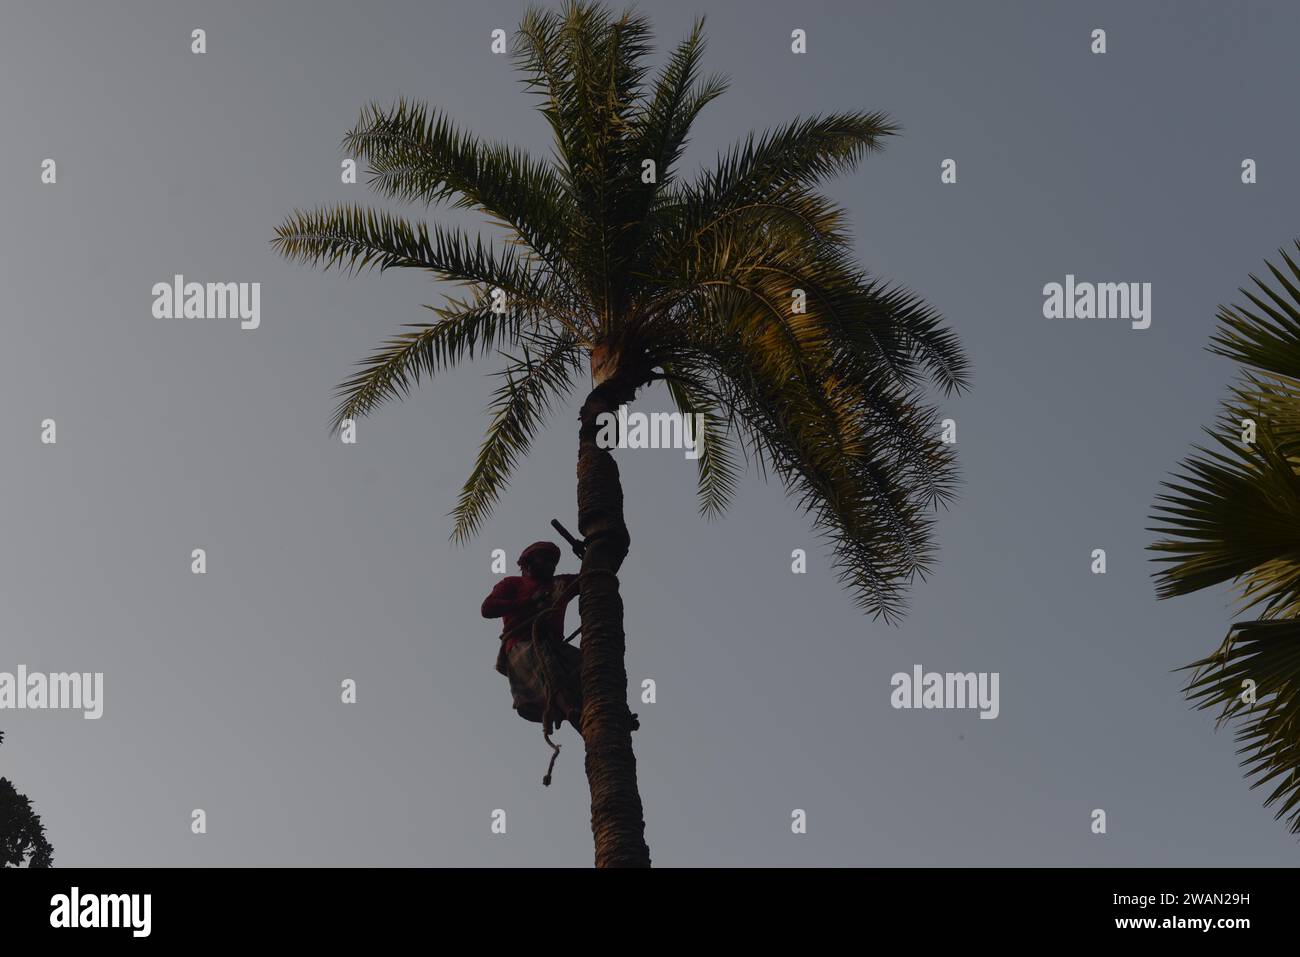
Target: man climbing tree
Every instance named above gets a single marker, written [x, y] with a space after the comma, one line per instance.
[732, 293]
[533, 652]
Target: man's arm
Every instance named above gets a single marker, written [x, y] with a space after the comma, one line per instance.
[568, 589]
[502, 600]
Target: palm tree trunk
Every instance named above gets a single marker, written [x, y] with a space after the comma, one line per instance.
[617, 821]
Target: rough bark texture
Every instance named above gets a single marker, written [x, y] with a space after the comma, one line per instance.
[617, 821]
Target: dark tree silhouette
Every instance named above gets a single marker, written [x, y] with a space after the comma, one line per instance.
[22, 835]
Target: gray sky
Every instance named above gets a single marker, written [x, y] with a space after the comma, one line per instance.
[326, 561]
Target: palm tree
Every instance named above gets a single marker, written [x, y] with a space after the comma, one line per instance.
[736, 290]
[1233, 514]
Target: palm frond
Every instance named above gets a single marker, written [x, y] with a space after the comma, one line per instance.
[353, 238]
[819, 433]
[1267, 337]
[665, 121]
[717, 468]
[879, 535]
[803, 153]
[398, 366]
[419, 155]
[1232, 514]
[533, 382]
[1271, 399]
[1259, 660]
[827, 395]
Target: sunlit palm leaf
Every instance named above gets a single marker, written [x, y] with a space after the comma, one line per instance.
[718, 471]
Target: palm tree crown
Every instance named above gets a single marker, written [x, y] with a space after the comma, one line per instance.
[617, 263]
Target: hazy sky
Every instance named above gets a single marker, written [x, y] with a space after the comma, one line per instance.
[327, 562]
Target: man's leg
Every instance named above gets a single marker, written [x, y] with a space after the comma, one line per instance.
[569, 695]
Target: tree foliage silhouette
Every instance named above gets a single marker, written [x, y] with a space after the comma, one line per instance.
[22, 835]
[735, 290]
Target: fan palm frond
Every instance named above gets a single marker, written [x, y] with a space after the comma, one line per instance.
[1232, 514]
[1254, 678]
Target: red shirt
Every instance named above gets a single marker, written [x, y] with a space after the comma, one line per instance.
[510, 599]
